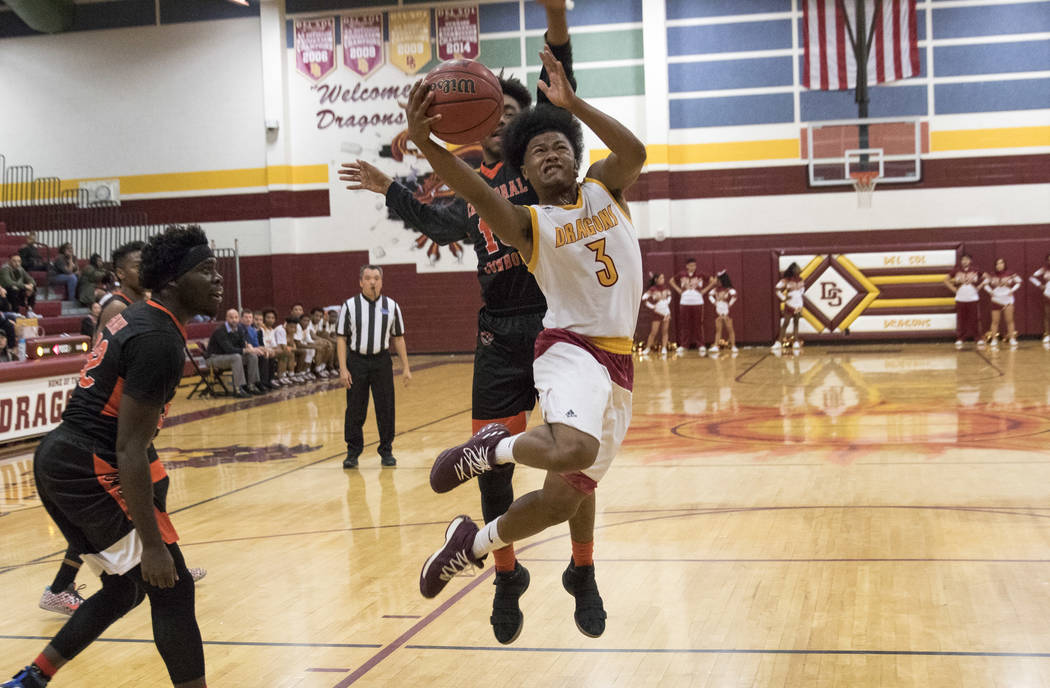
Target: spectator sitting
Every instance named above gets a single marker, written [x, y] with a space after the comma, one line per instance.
[226, 351]
[19, 288]
[90, 321]
[318, 350]
[5, 353]
[332, 321]
[275, 338]
[253, 345]
[321, 330]
[30, 254]
[298, 362]
[91, 277]
[64, 270]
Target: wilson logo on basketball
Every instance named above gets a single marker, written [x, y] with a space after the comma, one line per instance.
[454, 86]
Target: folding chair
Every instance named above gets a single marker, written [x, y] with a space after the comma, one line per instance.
[209, 383]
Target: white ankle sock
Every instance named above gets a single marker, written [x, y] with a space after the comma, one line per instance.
[505, 449]
[487, 539]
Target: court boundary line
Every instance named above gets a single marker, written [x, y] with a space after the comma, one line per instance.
[402, 640]
[233, 643]
[813, 560]
[733, 651]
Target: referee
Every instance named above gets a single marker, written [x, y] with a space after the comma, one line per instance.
[368, 325]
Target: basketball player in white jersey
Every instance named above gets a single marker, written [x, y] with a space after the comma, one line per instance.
[581, 246]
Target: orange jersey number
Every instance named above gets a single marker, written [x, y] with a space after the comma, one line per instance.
[490, 239]
[607, 276]
[93, 360]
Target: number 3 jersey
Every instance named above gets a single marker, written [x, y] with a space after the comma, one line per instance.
[586, 259]
[141, 355]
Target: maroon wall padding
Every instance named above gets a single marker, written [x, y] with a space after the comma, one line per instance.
[440, 309]
[752, 265]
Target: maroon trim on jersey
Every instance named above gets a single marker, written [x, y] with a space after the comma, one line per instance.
[175, 320]
[490, 172]
[580, 482]
[620, 366]
[118, 294]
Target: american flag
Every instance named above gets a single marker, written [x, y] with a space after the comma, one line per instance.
[829, 61]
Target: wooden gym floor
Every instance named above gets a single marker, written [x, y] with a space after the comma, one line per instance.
[866, 516]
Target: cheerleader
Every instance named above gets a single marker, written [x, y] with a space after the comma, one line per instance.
[1002, 286]
[789, 290]
[964, 281]
[1041, 279]
[658, 299]
[723, 297]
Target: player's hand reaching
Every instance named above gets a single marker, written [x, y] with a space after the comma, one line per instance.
[363, 175]
[158, 568]
[419, 99]
[559, 90]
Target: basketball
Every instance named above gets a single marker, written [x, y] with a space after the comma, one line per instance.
[469, 99]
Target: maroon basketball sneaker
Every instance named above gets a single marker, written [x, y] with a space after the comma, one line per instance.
[459, 464]
[455, 556]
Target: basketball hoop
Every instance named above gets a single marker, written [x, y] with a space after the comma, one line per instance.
[864, 182]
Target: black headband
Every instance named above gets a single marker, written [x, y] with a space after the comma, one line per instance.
[194, 257]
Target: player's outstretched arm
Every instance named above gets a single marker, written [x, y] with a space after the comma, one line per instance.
[557, 37]
[444, 225]
[511, 223]
[618, 171]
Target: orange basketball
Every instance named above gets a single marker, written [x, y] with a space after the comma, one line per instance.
[469, 99]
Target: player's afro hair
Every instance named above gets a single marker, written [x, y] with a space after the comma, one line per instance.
[515, 89]
[538, 120]
[164, 252]
[121, 253]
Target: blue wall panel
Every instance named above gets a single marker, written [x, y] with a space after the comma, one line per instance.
[588, 12]
[501, 16]
[725, 38]
[720, 112]
[992, 58]
[709, 76]
[1022, 94]
[885, 101]
[991, 20]
[685, 9]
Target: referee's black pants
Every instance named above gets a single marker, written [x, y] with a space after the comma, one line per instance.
[375, 372]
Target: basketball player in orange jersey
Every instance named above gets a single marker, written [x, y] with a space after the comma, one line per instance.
[581, 246]
[62, 596]
[510, 319]
[100, 480]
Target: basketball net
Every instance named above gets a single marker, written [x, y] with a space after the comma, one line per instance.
[864, 182]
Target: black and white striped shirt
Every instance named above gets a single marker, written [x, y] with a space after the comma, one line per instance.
[369, 325]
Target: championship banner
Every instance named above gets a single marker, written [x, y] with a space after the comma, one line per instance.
[457, 33]
[363, 43]
[876, 294]
[315, 47]
[34, 406]
[409, 39]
